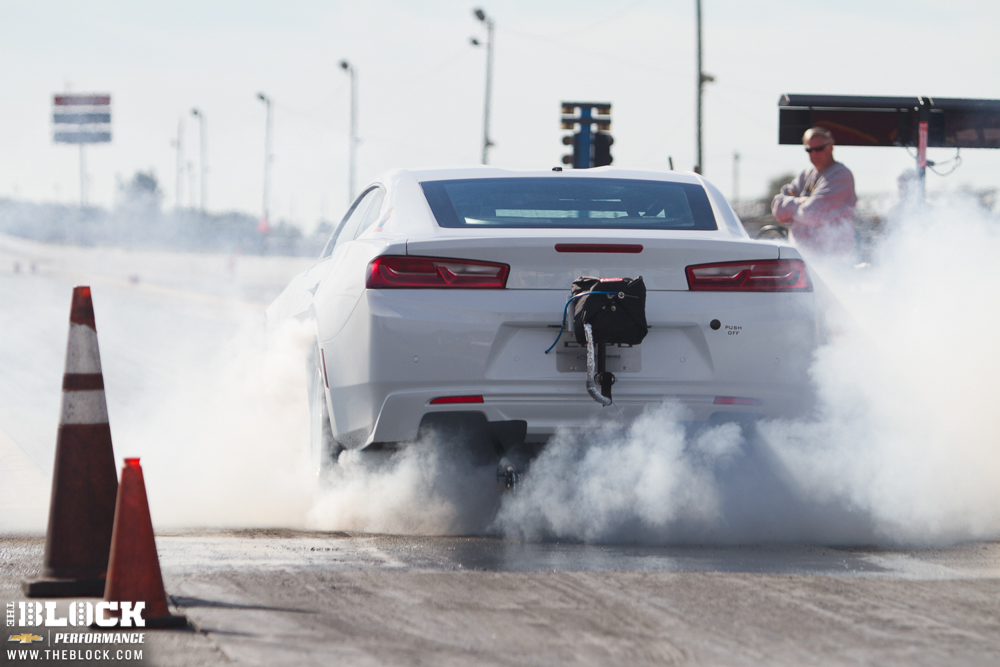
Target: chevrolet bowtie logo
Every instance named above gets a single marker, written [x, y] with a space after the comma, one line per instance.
[25, 638]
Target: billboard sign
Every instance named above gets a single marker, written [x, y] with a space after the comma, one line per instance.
[81, 118]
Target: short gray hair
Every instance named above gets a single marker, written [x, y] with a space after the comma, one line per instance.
[817, 132]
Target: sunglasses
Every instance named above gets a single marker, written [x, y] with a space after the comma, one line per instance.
[817, 148]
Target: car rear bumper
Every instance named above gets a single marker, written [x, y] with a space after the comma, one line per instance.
[401, 349]
[547, 409]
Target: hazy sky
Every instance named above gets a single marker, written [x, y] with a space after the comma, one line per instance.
[421, 87]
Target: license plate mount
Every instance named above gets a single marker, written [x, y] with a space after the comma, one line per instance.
[571, 357]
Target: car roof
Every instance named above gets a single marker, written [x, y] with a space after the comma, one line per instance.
[482, 172]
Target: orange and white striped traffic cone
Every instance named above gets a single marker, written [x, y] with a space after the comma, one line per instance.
[84, 483]
[134, 567]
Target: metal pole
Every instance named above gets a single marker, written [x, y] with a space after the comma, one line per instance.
[192, 183]
[203, 200]
[179, 180]
[490, 25]
[585, 146]
[267, 159]
[736, 177]
[699, 166]
[203, 194]
[353, 140]
[923, 120]
[354, 131]
[489, 89]
[83, 178]
[702, 80]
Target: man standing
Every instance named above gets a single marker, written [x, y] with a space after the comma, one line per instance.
[819, 203]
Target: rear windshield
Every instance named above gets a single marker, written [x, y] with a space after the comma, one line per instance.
[570, 203]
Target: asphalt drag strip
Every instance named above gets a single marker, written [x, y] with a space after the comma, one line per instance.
[267, 597]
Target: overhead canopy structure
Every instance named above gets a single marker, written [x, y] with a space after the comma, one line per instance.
[891, 121]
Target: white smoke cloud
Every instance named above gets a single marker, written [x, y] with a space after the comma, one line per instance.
[426, 488]
[907, 433]
[225, 441]
[904, 447]
[618, 482]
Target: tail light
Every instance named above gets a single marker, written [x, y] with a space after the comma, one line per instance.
[402, 271]
[769, 275]
[736, 400]
[456, 399]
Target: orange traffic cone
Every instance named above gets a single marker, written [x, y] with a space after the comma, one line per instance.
[84, 484]
[134, 569]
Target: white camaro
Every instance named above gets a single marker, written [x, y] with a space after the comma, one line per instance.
[440, 292]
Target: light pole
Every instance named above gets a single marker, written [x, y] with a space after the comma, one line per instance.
[353, 142]
[488, 21]
[702, 80]
[83, 178]
[192, 183]
[202, 195]
[178, 144]
[736, 177]
[266, 216]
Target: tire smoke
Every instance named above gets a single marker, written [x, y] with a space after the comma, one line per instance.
[225, 442]
[903, 448]
[429, 487]
[906, 433]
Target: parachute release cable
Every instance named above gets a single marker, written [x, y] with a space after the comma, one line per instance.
[562, 325]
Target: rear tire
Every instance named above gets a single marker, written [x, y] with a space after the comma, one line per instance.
[323, 447]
